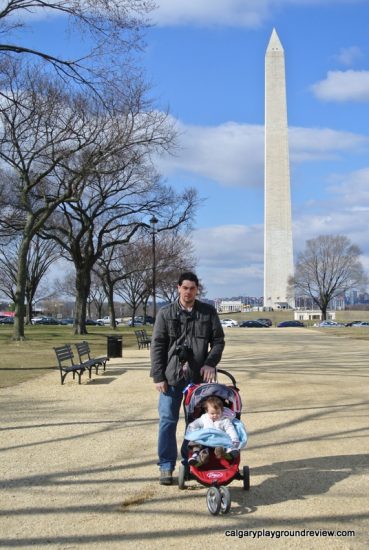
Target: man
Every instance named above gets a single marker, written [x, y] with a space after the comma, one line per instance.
[186, 346]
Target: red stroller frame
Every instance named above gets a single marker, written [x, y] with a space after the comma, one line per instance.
[216, 473]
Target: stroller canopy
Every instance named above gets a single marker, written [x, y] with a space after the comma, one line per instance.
[195, 395]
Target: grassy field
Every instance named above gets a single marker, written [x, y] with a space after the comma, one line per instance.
[286, 315]
[34, 356]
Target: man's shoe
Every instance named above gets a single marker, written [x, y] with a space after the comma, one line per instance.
[166, 477]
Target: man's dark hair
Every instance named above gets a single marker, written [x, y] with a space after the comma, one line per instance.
[188, 276]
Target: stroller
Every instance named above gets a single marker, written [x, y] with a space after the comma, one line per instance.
[217, 472]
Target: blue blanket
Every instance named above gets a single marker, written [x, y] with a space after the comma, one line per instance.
[209, 437]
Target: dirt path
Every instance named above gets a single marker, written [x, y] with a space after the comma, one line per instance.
[79, 467]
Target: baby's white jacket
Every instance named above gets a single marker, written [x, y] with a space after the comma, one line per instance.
[224, 424]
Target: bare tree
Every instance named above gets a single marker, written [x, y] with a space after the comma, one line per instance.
[66, 285]
[41, 255]
[175, 254]
[50, 141]
[111, 28]
[108, 270]
[118, 198]
[97, 296]
[328, 267]
[135, 285]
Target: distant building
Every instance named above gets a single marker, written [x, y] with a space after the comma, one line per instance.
[312, 315]
[229, 306]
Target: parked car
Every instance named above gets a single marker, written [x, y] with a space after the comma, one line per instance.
[106, 321]
[290, 324]
[5, 320]
[353, 323]
[228, 323]
[137, 321]
[330, 324]
[267, 322]
[34, 320]
[361, 324]
[94, 323]
[148, 320]
[253, 323]
[46, 321]
[67, 321]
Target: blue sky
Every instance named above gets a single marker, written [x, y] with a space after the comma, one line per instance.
[205, 60]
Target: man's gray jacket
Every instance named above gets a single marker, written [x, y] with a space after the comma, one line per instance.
[200, 330]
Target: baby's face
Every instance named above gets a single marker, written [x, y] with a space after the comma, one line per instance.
[215, 414]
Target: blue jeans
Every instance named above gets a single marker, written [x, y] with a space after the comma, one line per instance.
[169, 407]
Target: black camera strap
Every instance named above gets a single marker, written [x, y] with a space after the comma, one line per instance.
[183, 341]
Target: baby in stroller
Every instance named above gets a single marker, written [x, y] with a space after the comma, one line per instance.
[218, 418]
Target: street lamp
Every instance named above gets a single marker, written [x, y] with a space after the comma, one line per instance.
[153, 223]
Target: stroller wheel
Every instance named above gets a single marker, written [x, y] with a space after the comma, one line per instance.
[182, 476]
[225, 499]
[246, 478]
[213, 500]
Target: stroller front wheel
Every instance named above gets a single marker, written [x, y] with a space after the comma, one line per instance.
[214, 500]
[225, 499]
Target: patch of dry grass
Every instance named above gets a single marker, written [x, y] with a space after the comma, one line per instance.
[34, 356]
[136, 499]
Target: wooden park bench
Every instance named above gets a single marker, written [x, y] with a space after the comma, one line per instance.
[65, 354]
[143, 340]
[87, 361]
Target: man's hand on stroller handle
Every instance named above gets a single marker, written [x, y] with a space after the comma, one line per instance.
[208, 373]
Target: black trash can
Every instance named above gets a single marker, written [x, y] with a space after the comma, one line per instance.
[115, 345]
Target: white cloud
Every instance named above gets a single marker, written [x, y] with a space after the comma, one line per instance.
[314, 144]
[232, 154]
[343, 86]
[351, 223]
[212, 12]
[230, 259]
[231, 256]
[352, 190]
[348, 56]
[231, 13]
[237, 244]
[346, 212]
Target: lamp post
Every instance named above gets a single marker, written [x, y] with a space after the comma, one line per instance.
[153, 223]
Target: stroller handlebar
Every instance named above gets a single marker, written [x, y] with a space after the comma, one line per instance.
[232, 378]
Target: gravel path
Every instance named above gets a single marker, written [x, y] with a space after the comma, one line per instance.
[79, 467]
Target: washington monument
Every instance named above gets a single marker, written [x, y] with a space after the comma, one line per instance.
[278, 252]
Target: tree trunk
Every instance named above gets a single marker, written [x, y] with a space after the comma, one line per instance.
[20, 292]
[110, 296]
[83, 283]
[324, 312]
[145, 303]
[134, 309]
[28, 312]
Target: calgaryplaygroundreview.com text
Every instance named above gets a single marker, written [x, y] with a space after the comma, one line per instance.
[280, 533]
